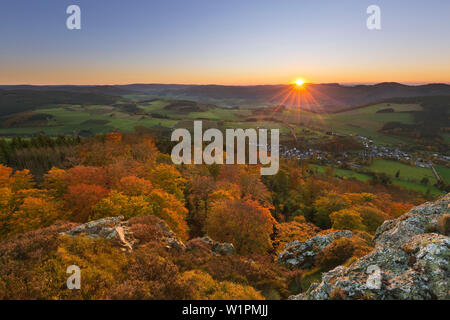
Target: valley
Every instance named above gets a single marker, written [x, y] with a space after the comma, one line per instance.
[353, 142]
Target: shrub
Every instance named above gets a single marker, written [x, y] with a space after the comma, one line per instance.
[372, 218]
[204, 287]
[443, 225]
[347, 219]
[340, 250]
[325, 206]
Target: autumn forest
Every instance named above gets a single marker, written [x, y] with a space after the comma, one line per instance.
[118, 174]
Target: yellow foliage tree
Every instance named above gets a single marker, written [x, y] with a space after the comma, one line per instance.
[372, 217]
[167, 207]
[33, 213]
[168, 178]
[56, 181]
[5, 176]
[22, 179]
[119, 204]
[347, 219]
[326, 205]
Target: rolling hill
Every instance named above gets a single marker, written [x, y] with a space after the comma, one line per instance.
[330, 97]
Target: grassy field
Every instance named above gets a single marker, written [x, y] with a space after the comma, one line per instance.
[407, 173]
[349, 174]
[68, 119]
[417, 187]
[99, 118]
[444, 173]
[343, 173]
[364, 121]
[158, 107]
[169, 114]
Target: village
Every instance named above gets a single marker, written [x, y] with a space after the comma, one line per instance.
[371, 151]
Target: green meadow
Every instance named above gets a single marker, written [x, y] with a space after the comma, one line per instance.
[66, 119]
[363, 121]
[406, 172]
[444, 173]
[170, 114]
[410, 185]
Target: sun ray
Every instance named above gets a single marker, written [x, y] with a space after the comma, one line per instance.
[299, 97]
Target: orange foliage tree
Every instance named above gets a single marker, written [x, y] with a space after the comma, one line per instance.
[243, 222]
[134, 186]
[167, 207]
[81, 198]
[87, 175]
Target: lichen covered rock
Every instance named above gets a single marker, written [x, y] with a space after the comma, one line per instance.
[170, 237]
[302, 254]
[110, 228]
[216, 248]
[408, 262]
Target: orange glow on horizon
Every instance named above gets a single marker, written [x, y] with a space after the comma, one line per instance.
[96, 75]
[299, 82]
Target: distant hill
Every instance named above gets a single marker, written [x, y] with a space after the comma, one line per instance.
[106, 90]
[16, 101]
[329, 97]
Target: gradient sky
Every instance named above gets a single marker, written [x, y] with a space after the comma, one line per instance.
[223, 42]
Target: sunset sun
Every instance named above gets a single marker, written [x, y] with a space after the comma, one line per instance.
[299, 82]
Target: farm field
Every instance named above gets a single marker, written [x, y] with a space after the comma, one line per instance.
[100, 119]
[364, 121]
[349, 174]
[66, 119]
[170, 114]
[417, 187]
[444, 173]
[407, 173]
[209, 112]
[343, 173]
[96, 119]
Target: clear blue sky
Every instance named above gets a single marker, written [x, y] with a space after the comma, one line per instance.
[225, 42]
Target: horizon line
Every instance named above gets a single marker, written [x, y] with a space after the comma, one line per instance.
[229, 85]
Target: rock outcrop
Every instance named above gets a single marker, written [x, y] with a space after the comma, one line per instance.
[215, 247]
[302, 254]
[170, 237]
[224, 249]
[111, 228]
[209, 246]
[410, 261]
[117, 231]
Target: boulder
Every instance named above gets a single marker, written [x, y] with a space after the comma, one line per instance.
[418, 220]
[217, 248]
[224, 249]
[410, 261]
[110, 228]
[170, 237]
[303, 254]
